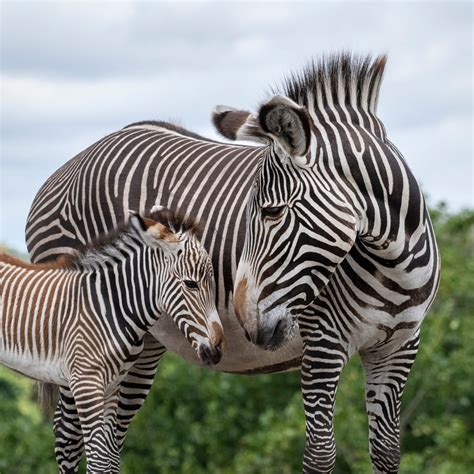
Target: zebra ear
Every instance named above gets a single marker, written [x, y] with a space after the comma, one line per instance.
[136, 221]
[155, 234]
[287, 123]
[160, 232]
[236, 124]
[158, 235]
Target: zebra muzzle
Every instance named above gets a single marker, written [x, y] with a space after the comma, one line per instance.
[271, 336]
[210, 355]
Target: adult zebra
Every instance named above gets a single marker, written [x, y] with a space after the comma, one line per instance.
[134, 167]
[333, 200]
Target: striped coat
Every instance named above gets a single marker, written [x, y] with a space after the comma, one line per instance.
[80, 322]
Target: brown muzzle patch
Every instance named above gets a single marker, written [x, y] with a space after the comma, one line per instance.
[217, 338]
[240, 300]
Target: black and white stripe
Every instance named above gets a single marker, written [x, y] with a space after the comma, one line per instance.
[334, 201]
[80, 322]
[353, 202]
[132, 169]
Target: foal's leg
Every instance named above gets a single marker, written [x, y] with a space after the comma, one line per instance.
[110, 424]
[121, 407]
[386, 375]
[324, 357]
[67, 429]
[88, 392]
[133, 392]
[136, 386]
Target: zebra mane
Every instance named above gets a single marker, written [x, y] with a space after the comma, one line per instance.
[108, 244]
[343, 78]
[104, 243]
[176, 221]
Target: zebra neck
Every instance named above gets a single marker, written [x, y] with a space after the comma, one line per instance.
[125, 295]
[334, 116]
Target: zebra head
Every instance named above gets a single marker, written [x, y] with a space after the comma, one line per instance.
[300, 221]
[186, 285]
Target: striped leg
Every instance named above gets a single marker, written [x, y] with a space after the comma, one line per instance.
[136, 385]
[324, 357]
[88, 392]
[67, 429]
[386, 375]
[110, 416]
[133, 392]
[69, 438]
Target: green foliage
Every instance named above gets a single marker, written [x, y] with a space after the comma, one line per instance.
[26, 440]
[196, 421]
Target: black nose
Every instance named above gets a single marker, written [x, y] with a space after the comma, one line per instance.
[210, 355]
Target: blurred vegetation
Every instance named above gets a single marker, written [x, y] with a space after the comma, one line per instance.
[196, 421]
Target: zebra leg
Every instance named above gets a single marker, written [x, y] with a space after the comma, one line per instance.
[386, 375]
[68, 433]
[88, 393]
[136, 385]
[110, 425]
[324, 357]
[121, 407]
[133, 392]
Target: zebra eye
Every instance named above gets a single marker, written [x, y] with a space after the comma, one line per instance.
[191, 284]
[272, 212]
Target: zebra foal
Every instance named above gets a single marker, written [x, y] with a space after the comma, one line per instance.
[80, 321]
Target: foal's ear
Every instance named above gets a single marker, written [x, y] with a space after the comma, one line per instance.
[155, 233]
[287, 123]
[160, 232]
[161, 236]
[236, 124]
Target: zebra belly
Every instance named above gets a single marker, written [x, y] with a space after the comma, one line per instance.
[50, 371]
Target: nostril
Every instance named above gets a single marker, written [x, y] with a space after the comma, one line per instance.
[277, 327]
[271, 337]
[210, 355]
[247, 335]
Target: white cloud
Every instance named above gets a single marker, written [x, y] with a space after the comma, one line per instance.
[74, 71]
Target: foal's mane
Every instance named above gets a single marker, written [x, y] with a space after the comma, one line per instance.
[175, 221]
[63, 261]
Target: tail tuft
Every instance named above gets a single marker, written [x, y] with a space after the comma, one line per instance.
[48, 395]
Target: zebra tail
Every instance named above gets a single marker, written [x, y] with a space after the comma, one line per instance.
[48, 395]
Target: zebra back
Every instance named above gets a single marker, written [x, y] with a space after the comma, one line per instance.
[135, 168]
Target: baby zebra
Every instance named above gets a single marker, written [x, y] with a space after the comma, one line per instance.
[80, 322]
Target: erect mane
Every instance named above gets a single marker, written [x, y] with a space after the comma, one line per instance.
[175, 221]
[63, 261]
[344, 78]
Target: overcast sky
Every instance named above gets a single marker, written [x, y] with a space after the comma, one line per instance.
[73, 72]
